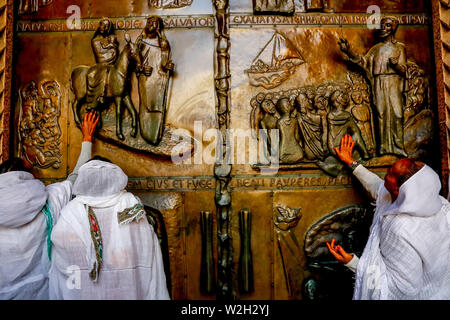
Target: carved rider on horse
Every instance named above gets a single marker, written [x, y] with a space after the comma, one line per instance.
[106, 50]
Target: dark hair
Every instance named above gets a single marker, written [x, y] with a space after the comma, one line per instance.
[13, 164]
[100, 158]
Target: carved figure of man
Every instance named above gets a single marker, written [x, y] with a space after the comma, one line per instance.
[221, 17]
[385, 66]
[269, 121]
[416, 91]
[106, 49]
[407, 255]
[32, 145]
[361, 112]
[50, 126]
[153, 73]
[341, 122]
[290, 150]
[311, 125]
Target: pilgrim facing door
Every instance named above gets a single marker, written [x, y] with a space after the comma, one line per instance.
[224, 114]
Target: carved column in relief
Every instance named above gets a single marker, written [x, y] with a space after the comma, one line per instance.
[6, 40]
[285, 220]
[207, 273]
[441, 30]
[222, 171]
[245, 273]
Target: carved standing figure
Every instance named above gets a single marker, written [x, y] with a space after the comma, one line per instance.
[290, 150]
[269, 121]
[341, 122]
[153, 72]
[361, 112]
[385, 67]
[416, 91]
[221, 13]
[311, 126]
[106, 50]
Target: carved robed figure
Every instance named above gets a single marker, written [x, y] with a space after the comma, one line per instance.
[385, 67]
[106, 50]
[153, 73]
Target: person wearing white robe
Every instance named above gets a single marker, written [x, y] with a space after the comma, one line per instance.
[407, 255]
[104, 247]
[25, 225]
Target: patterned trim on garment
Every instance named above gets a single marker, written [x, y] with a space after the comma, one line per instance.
[128, 215]
[49, 221]
[96, 236]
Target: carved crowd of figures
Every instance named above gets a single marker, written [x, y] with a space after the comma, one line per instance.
[39, 130]
[376, 105]
[313, 119]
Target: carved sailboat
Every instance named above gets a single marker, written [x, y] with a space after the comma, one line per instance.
[275, 63]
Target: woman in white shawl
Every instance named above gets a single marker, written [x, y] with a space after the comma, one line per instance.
[104, 247]
[407, 255]
[28, 210]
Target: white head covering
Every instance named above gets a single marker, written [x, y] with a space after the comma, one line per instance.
[21, 198]
[130, 250]
[99, 184]
[418, 196]
[99, 179]
[23, 261]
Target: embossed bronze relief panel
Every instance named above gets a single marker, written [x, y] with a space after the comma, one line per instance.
[228, 230]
